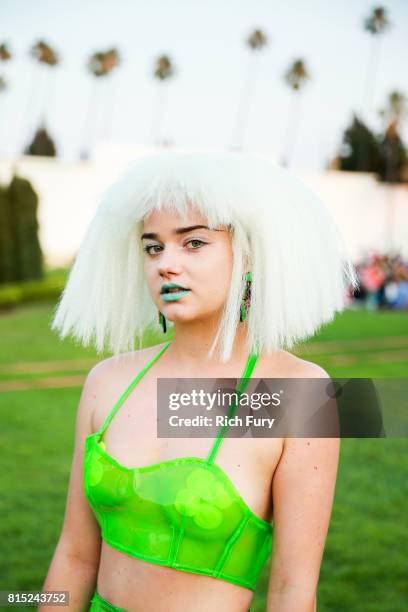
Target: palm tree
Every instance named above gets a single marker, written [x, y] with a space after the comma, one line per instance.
[396, 109]
[100, 64]
[5, 56]
[376, 24]
[256, 42]
[44, 55]
[3, 87]
[295, 77]
[163, 70]
[111, 61]
[393, 151]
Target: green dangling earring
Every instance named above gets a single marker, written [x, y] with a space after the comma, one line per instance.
[246, 300]
[162, 321]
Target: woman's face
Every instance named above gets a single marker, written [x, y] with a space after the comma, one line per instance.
[197, 260]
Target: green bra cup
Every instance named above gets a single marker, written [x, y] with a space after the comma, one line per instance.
[183, 513]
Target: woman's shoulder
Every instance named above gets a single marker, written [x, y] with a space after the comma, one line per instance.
[287, 365]
[124, 362]
[109, 378]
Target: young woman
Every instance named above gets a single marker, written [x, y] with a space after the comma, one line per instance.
[238, 261]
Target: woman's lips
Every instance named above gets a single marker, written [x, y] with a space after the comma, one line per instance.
[174, 295]
[171, 292]
[166, 287]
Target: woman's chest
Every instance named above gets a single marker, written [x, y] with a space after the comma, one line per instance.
[246, 463]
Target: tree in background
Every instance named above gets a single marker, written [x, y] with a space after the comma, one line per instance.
[396, 108]
[384, 154]
[6, 242]
[295, 77]
[376, 24]
[360, 150]
[163, 70]
[393, 153]
[5, 56]
[44, 55]
[100, 65]
[112, 60]
[5, 53]
[20, 251]
[256, 42]
[42, 144]
[394, 161]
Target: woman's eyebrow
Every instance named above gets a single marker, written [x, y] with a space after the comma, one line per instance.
[179, 230]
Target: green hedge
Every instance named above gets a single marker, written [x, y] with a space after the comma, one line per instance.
[47, 289]
[21, 257]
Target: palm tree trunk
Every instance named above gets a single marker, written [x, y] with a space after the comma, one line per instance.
[371, 75]
[109, 108]
[292, 129]
[48, 97]
[4, 102]
[3, 107]
[27, 123]
[90, 121]
[245, 102]
[158, 114]
[368, 95]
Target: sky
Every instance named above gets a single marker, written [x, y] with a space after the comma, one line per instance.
[206, 41]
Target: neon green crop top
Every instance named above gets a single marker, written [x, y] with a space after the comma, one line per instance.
[183, 513]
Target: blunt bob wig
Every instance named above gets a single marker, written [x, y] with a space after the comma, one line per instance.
[280, 231]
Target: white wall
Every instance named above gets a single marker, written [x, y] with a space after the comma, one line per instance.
[371, 215]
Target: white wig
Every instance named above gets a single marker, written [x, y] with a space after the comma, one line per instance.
[280, 231]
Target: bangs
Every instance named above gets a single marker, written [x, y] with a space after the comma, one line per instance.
[212, 185]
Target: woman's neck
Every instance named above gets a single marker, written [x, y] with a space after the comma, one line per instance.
[192, 341]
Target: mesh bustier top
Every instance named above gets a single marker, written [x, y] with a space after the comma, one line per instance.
[183, 513]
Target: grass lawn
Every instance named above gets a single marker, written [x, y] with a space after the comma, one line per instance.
[364, 564]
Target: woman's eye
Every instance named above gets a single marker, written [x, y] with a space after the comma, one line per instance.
[153, 249]
[151, 246]
[195, 240]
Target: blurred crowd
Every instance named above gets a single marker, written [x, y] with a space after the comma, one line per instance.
[383, 283]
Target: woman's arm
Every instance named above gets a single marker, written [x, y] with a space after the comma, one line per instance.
[302, 491]
[75, 563]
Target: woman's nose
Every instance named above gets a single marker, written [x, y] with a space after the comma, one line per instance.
[169, 261]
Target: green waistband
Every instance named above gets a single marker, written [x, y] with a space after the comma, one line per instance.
[99, 604]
